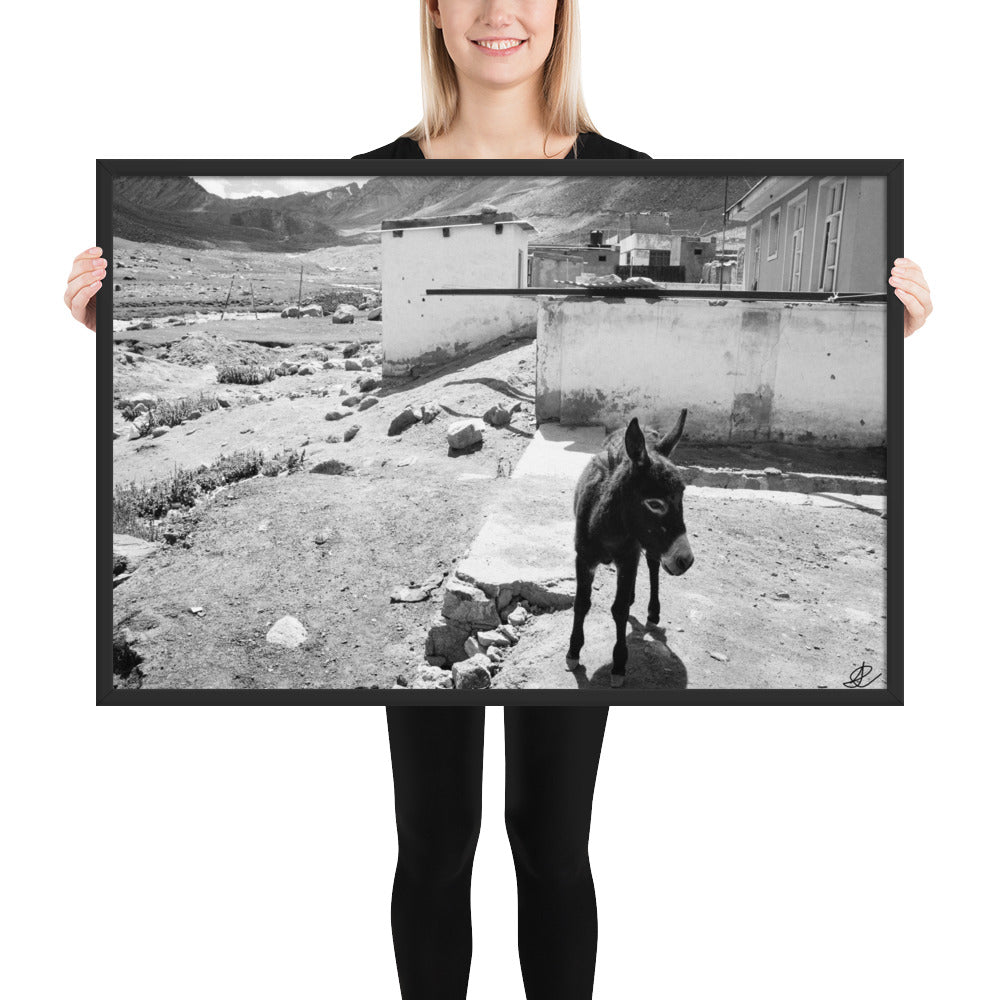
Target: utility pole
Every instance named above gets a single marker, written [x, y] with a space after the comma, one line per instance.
[231, 280]
[725, 205]
[301, 269]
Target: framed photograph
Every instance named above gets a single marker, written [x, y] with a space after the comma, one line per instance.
[500, 432]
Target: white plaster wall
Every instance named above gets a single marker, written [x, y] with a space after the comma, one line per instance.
[745, 370]
[422, 330]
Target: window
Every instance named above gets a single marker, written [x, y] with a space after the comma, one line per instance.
[498, 228]
[772, 234]
[397, 232]
[697, 251]
[832, 208]
[796, 236]
[602, 256]
[445, 231]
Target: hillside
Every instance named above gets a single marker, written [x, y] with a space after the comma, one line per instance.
[179, 212]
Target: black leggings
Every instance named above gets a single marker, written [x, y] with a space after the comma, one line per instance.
[437, 765]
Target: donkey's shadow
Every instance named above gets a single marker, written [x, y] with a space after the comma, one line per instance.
[651, 662]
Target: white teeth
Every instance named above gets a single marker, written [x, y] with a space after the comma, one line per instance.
[498, 45]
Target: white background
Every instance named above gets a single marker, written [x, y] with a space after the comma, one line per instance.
[249, 852]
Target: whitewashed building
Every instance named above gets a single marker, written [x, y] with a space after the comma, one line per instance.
[421, 330]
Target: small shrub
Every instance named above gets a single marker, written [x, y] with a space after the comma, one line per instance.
[245, 374]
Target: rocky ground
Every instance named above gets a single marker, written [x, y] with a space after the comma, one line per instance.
[336, 571]
[327, 550]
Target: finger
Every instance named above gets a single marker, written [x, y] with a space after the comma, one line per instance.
[92, 252]
[913, 288]
[911, 274]
[86, 265]
[78, 303]
[81, 281]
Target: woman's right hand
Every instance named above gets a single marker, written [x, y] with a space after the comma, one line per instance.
[85, 277]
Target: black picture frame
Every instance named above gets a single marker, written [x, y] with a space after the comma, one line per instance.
[891, 694]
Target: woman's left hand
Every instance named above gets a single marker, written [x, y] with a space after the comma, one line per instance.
[911, 289]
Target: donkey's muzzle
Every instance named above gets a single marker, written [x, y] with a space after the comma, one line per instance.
[678, 558]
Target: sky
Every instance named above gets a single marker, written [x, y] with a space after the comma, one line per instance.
[271, 187]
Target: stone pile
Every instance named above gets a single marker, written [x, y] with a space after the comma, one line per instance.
[470, 636]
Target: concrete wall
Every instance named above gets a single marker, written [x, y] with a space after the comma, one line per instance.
[790, 371]
[419, 330]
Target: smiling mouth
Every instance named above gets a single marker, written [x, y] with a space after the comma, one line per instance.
[499, 45]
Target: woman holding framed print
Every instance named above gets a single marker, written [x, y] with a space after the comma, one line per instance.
[500, 79]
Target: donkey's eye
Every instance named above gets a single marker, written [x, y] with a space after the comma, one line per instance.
[655, 506]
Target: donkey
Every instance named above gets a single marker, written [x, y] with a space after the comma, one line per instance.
[628, 500]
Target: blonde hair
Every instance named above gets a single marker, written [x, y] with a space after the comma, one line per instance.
[562, 93]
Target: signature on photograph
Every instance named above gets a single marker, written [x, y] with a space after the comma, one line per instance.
[859, 675]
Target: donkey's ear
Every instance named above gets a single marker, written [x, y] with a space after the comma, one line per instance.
[635, 442]
[668, 442]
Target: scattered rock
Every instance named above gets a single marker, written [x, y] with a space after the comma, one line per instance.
[465, 604]
[473, 673]
[431, 410]
[407, 595]
[367, 402]
[493, 637]
[446, 640]
[472, 647]
[288, 632]
[431, 677]
[497, 416]
[465, 433]
[509, 631]
[405, 418]
[351, 349]
[367, 362]
[369, 382]
[290, 312]
[350, 365]
[159, 431]
[338, 413]
[350, 401]
[351, 432]
[331, 467]
[311, 310]
[495, 654]
[721, 657]
[517, 617]
[322, 537]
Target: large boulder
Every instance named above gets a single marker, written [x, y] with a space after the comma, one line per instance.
[311, 310]
[290, 312]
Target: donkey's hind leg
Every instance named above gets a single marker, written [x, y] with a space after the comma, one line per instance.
[581, 605]
[653, 618]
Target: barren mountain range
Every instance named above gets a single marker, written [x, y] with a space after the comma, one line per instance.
[177, 210]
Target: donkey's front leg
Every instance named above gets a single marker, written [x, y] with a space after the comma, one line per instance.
[627, 567]
[581, 605]
[653, 618]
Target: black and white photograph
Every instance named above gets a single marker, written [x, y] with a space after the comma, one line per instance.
[594, 433]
